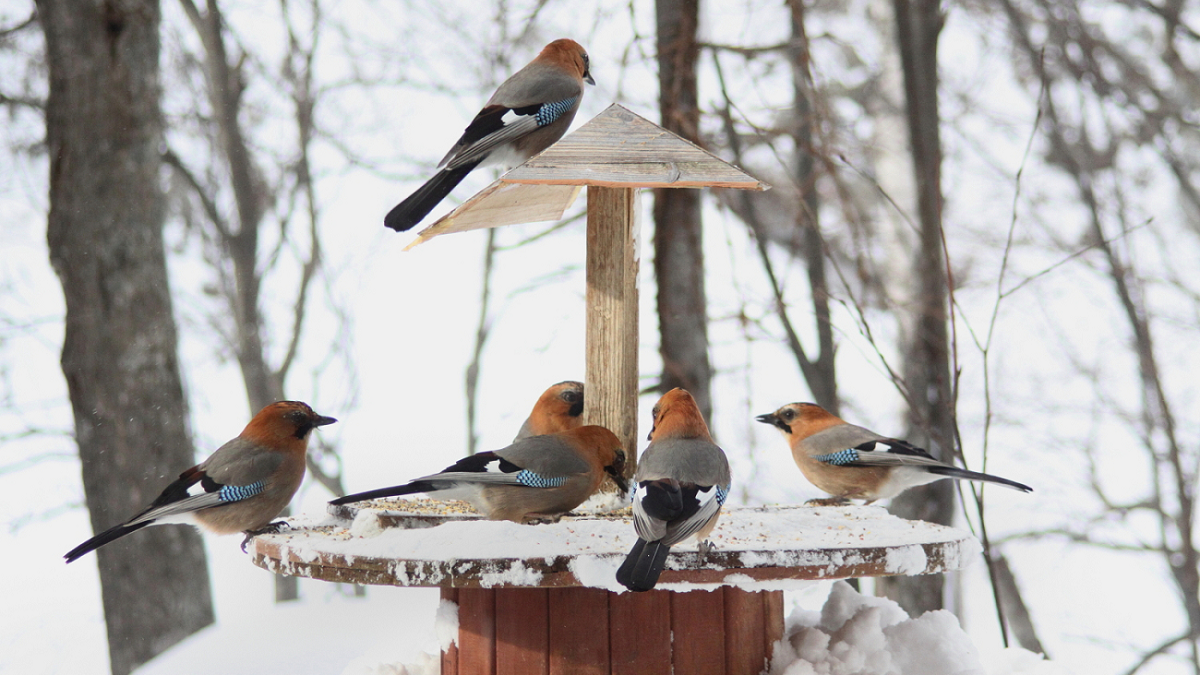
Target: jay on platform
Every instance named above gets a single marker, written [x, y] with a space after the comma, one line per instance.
[850, 462]
[241, 487]
[527, 114]
[681, 482]
[539, 477]
[560, 408]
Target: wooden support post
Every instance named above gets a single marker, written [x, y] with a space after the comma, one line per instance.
[612, 314]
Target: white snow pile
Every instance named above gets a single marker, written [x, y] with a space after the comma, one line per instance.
[857, 634]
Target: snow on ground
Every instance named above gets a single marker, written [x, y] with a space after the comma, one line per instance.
[857, 634]
[339, 634]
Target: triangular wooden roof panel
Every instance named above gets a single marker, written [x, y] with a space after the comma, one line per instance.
[503, 203]
[619, 148]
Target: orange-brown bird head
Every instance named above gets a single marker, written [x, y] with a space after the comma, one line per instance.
[800, 420]
[603, 445]
[560, 408]
[281, 424]
[569, 55]
[676, 415]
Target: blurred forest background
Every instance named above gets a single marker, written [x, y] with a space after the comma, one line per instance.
[984, 236]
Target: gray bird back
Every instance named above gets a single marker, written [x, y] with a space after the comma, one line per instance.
[238, 462]
[687, 460]
[839, 438]
[536, 83]
[545, 455]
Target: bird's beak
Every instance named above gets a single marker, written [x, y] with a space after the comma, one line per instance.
[587, 77]
[773, 420]
[323, 420]
[617, 478]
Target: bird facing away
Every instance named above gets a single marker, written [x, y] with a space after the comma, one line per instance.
[850, 462]
[534, 478]
[527, 114]
[560, 408]
[241, 487]
[681, 483]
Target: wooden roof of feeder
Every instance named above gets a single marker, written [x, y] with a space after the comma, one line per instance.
[617, 148]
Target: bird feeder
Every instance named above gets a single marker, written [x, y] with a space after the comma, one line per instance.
[555, 607]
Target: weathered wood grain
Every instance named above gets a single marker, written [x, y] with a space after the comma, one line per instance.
[612, 315]
[619, 148]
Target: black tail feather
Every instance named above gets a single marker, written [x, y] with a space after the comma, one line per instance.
[625, 571]
[955, 472]
[109, 535]
[406, 489]
[412, 210]
[643, 565]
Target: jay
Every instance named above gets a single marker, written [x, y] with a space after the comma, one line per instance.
[681, 482]
[560, 408]
[240, 488]
[850, 462]
[527, 114]
[539, 477]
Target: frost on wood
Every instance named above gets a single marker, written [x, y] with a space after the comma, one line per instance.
[759, 548]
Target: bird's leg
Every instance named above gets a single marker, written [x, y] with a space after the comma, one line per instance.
[271, 528]
[828, 501]
[705, 547]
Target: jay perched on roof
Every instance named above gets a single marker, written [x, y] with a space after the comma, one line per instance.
[681, 483]
[241, 487]
[850, 462]
[527, 114]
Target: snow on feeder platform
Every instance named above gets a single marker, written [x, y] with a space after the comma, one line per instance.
[544, 598]
[533, 596]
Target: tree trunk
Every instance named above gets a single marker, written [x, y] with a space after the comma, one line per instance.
[104, 127]
[820, 373]
[927, 355]
[678, 251]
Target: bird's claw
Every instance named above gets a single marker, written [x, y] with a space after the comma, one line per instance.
[270, 528]
[544, 519]
[828, 501]
[705, 547]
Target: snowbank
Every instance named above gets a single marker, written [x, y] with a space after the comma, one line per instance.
[856, 634]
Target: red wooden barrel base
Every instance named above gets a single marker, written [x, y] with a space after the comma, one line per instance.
[589, 631]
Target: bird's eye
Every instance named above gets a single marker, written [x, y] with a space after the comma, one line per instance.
[788, 414]
[571, 396]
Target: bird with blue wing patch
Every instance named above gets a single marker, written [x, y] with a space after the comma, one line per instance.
[528, 113]
[535, 478]
[850, 462]
[681, 482]
[245, 484]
